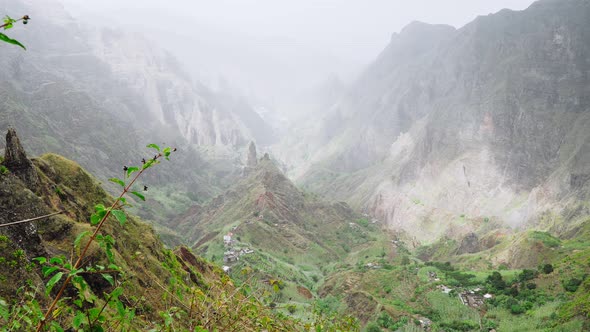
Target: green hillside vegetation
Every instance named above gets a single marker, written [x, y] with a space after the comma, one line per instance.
[144, 285]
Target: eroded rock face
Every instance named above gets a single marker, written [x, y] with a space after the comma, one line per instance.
[252, 162]
[18, 203]
[469, 244]
[15, 159]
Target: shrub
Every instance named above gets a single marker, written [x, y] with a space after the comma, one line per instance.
[372, 327]
[363, 222]
[517, 309]
[572, 285]
[547, 268]
[291, 308]
[526, 275]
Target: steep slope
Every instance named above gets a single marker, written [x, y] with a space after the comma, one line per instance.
[89, 95]
[153, 279]
[488, 121]
[265, 224]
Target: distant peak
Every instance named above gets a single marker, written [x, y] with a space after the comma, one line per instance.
[419, 28]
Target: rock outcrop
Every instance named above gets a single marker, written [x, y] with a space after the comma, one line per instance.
[15, 159]
[252, 161]
[17, 200]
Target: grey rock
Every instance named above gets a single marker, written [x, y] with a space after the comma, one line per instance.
[252, 161]
[15, 159]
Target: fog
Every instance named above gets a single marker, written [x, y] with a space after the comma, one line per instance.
[274, 51]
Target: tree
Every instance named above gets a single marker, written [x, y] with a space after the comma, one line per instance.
[496, 281]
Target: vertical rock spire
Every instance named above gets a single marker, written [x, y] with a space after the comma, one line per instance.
[15, 159]
[252, 161]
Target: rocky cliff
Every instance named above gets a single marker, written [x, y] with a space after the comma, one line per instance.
[100, 95]
[449, 126]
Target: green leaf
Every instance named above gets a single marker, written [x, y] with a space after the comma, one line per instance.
[75, 272]
[55, 327]
[79, 280]
[123, 200]
[80, 237]
[120, 215]
[166, 151]
[131, 169]
[41, 260]
[99, 207]
[108, 278]
[47, 270]
[94, 219]
[9, 40]
[120, 308]
[8, 22]
[154, 146]
[97, 217]
[116, 293]
[56, 260]
[78, 319]
[118, 181]
[114, 267]
[142, 197]
[53, 281]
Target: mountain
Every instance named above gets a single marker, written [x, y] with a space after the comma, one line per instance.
[265, 224]
[449, 128]
[148, 279]
[90, 94]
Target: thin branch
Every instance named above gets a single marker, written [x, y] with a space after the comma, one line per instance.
[32, 219]
[26, 17]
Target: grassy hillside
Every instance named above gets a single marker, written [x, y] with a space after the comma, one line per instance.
[138, 285]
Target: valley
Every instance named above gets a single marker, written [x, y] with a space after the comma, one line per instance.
[444, 188]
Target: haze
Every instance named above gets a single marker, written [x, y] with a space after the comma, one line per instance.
[276, 52]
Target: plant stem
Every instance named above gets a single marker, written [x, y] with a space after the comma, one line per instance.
[126, 189]
[26, 17]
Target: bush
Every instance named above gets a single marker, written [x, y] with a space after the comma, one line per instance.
[517, 309]
[496, 281]
[572, 285]
[385, 320]
[363, 222]
[526, 275]
[291, 308]
[372, 327]
[459, 326]
[547, 268]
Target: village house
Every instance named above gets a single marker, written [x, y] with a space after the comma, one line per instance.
[471, 299]
[444, 289]
[246, 251]
[231, 256]
[227, 240]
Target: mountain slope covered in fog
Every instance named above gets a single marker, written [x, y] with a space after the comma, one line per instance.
[450, 127]
[99, 95]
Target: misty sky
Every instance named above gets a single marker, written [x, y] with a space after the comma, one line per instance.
[248, 41]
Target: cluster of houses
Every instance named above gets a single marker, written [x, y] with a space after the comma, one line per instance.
[232, 254]
[472, 298]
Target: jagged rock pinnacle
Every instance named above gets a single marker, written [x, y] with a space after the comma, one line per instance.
[252, 161]
[15, 159]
